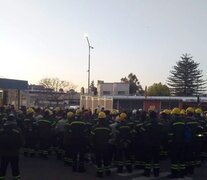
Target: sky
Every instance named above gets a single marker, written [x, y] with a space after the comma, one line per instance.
[45, 38]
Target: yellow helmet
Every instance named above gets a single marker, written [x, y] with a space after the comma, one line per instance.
[30, 111]
[122, 116]
[175, 111]
[113, 112]
[70, 114]
[101, 115]
[19, 112]
[78, 112]
[182, 112]
[98, 111]
[166, 111]
[198, 111]
[57, 109]
[189, 110]
[49, 111]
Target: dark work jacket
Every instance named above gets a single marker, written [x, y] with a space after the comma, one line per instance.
[194, 129]
[77, 131]
[124, 134]
[44, 128]
[153, 133]
[177, 130]
[101, 134]
[10, 140]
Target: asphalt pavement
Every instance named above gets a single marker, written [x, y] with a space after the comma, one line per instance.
[53, 169]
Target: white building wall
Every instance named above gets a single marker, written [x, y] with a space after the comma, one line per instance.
[112, 89]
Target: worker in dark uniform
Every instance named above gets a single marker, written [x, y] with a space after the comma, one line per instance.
[153, 134]
[177, 144]
[192, 140]
[44, 128]
[78, 138]
[10, 143]
[124, 144]
[200, 136]
[30, 133]
[66, 140]
[101, 134]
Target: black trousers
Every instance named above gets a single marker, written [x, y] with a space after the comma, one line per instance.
[102, 159]
[152, 159]
[14, 161]
[78, 150]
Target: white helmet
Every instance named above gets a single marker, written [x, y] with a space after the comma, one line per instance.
[134, 111]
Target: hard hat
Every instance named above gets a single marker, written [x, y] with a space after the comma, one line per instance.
[182, 112]
[78, 112]
[198, 111]
[113, 112]
[175, 111]
[122, 116]
[98, 111]
[70, 114]
[189, 110]
[49, 111]
[19, 112]
[166, 111]
[57, 109]
[101, 115]
[134, 111]
[30, 111]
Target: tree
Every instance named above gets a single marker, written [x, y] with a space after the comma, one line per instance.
[186, 77]
[134, 84]
[56, 84]
[158, 89]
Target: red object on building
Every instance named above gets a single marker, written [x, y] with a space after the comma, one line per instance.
[152, 104]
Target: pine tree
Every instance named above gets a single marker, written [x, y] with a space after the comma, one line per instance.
[186, 78]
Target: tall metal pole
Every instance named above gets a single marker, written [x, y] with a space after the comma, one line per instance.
[89, 62]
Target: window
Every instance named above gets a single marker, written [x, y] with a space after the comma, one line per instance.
[106, 93]
[121, 92]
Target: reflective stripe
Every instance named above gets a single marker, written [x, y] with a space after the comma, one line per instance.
[170, 134]
[106, 167]
[78, 122]
[128, 163]
[123, 127]
[182, 166]
[156, 166]
[16, 177]
[119, 163]
[16, 131]
[192, 122]
[92, 133]
[99, 170]
[44, 121]
[174, 166]
[102, 128]
[178, 123]
[148, 166]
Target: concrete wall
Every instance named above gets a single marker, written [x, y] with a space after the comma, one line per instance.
[113, 89]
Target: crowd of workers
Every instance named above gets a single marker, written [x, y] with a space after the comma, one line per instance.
[126, 140]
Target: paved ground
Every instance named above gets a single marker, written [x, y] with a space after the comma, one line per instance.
[52, 169]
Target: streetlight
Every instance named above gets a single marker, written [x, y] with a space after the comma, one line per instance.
[89, 59]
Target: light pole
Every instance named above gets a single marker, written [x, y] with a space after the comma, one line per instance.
[89, 60]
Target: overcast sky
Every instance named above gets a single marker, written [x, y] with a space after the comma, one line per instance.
[45, 38]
